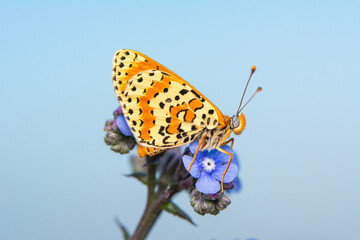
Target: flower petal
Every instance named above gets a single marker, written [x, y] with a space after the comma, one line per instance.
[193, 146]
[195, 168]
[123, 126]
[237, 185]
[218, 156]
[230, 174]
[207, 184]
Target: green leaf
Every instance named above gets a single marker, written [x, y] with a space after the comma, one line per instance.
[142, 177]
[172, 208]
[122, 228]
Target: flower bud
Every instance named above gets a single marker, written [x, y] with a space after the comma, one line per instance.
[117, 112]
[212, 197]
[223, 202]
[229, 186]
[203, 206]
[108, 125]
[124, 146]
[113, 138]
[208, 203]
[119, 142]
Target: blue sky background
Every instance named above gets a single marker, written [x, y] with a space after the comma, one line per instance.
[300, 153]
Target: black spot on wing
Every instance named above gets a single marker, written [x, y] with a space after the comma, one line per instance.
[166, 138]
[185, 110]
[184, 91]
[195, 93]
[161, 131]
[193, 137]
[179, 128]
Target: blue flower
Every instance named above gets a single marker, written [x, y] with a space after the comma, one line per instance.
[236, 184]
[209, 167]
[123, 126]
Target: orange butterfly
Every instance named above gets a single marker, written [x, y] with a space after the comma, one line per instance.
[164, 111]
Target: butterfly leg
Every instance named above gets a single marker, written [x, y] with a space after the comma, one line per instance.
[227, 167]
[197, 150]
[226, 142]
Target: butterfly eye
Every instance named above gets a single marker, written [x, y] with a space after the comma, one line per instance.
[238, 129]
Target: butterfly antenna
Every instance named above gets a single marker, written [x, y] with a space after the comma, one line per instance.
[258, 90]
[253, 68]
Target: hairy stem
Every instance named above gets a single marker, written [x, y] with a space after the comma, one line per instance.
[155, 198]
[153, 205]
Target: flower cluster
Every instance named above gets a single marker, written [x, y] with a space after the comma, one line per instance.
[209, 167]
[208, 203]
[118, 134]
[202, 181]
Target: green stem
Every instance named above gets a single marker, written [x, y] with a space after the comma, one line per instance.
[155, 200]
[150, 215]
[153, 205]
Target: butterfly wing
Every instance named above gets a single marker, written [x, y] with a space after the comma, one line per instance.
[161, 109]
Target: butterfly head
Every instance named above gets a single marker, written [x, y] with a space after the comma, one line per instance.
[237, 123]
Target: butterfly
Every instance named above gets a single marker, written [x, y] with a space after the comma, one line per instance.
[164, 111]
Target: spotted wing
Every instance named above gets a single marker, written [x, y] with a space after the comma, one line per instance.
[162, 109]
